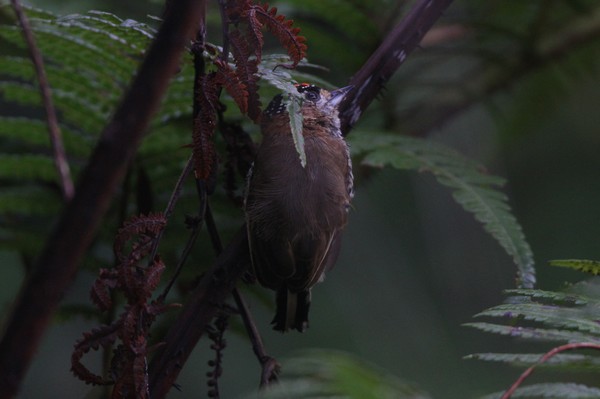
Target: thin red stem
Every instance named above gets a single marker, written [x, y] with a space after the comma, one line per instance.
[58, 149]
[545, 358]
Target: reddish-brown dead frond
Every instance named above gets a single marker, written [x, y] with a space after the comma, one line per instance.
[254, 34]
[103, 336]
[246, 70]
[232, 83]
[150, 224]
[236, 9]
[246, 44]
[137, 280]
[282, 28]
[102, 287]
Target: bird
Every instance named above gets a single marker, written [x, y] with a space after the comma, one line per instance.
[295, 213]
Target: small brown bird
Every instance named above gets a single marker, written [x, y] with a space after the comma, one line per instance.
[295, 214]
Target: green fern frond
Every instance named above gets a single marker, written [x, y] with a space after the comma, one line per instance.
[562, 298]
[576, 319]
[474, 190]
[569, 362]
[25, 201]
[334, 374]
[20, 93]
[535, 333]
[556, 390]
[89, 61]
[293, 108]
[569, 317]
[26, 133]
[18, 67]
[583, 265]
[27, 167]
[283, 79]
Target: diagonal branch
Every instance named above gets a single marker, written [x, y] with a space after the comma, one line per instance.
[60, 158]
[205, 301]
[384, 62]
[67, 244]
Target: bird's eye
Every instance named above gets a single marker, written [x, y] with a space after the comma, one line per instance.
[312, 96]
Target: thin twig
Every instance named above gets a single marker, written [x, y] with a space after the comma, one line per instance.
[545, 358]
[58, 149]
[204, 303]
[225, 30]
[194, 223]
[270, 367]
[171, 204]
[189, 245]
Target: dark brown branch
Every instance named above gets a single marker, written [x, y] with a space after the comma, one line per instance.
[384, 62]
[67, 244]
[269, 365]
[58, 149]
[204, 303]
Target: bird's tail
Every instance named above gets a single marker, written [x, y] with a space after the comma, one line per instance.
[292, 310]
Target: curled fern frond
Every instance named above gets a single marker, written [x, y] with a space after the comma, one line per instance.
[102, 287]
[99, 337]
[132, 328]
[152, 223]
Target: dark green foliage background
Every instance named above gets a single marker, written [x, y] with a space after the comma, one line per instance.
[414, 265]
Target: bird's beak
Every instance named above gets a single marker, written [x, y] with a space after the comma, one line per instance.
[338, 95]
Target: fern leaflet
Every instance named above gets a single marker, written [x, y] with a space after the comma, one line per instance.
[474, 190]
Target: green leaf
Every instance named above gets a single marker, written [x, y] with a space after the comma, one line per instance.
[563, 298]
[29, 201]
[323, 373]
[294, 109]
[475, 190]
[282, 80]
[568, 317]
[555, 316]
[552, 391]
[89, 61]
[535, 333]
[584, 265]
[27, 167]
[562, 361]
